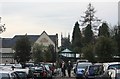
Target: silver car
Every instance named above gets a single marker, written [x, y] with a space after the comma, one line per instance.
[114, 73]
[8, 75]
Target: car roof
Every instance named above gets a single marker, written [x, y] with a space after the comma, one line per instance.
[5, 68]
[84, 63]
[98, 64]
[2, 71]
[106, 65]
[114, 63]
[110, 63]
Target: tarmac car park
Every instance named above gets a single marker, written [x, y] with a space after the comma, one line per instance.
[109, 70]
[34, 72]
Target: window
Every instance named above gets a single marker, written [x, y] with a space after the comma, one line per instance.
[4, 76]
[117, 66]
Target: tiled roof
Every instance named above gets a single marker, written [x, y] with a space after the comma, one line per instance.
[10, 42]
[53, 38]
[6, 42]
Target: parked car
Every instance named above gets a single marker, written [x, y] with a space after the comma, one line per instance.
[114, 73]
[110, 65]
[8, 75]
[49, 70]
[26, 70]
[19, 66]
[39, 72]
[29, 65]
[80, 68]
[112, 69]
[22, 74]
[95, 71]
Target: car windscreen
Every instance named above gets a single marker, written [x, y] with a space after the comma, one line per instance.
[47, 67]
[95, 69]
[117, 66]
[21, 74]
[4, 76]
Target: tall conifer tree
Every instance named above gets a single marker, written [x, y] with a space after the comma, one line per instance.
[88, 35]
[104, 30]
[76, 38]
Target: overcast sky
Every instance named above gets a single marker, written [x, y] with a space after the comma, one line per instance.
[54, 17]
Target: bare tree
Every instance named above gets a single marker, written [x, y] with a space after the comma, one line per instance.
[2, 27]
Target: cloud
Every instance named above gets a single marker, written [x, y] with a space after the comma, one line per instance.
[59, 0]
[34, 17]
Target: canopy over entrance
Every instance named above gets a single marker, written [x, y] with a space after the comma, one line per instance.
[68, 55]
[67, 51]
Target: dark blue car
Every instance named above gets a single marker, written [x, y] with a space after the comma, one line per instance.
[95, 72]
[80, 68]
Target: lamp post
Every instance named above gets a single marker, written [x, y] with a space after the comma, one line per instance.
[2, 29]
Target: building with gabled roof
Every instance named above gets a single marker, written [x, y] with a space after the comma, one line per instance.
[9, 43]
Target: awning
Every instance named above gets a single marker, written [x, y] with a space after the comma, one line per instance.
[69, 53]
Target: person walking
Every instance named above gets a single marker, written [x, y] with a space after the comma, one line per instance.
[69, 68]
[63, 68]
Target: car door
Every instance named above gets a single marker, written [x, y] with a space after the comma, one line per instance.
[14, 76]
